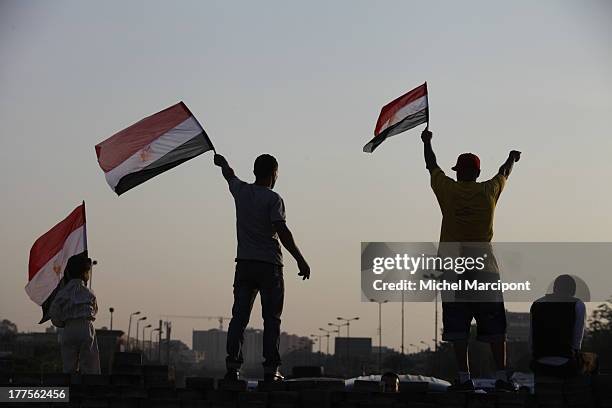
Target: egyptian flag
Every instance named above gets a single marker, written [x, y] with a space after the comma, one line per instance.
[49, 256]
[406, 112]
[151, 146]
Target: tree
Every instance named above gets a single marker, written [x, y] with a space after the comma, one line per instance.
[8, 331]
[599, 334]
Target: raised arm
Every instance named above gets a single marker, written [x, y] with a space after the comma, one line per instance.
[430, 157]
[506, 168]
[226, 170]
[286, 238]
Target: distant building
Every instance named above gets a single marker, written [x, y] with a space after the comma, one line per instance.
[209, 346]
[384, 350]
[354, 346]
[29, 344]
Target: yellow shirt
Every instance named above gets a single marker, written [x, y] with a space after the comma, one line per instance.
[467, 207]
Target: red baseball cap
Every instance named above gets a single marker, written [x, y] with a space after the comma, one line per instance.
[467, 161]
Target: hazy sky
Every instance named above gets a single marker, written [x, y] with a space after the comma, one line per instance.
[304, 81]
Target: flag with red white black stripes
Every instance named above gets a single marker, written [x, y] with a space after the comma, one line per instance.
[404, 113]
[50, 254]
[150, 147]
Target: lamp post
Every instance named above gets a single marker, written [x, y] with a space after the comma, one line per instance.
[327, 334]
[111, 310]
[415, 347]
[137, 325]
[151, 342]
[348, 333]
[143, 337]
[379, 332]
[93, 263]
[130, 328]
[424, 344]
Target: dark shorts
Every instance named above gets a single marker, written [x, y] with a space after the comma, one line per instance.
[490, 320]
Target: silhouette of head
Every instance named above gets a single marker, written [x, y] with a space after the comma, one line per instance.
[467, 167]
[564, 285]
[266, 170]
[78, 267]
[390, 382]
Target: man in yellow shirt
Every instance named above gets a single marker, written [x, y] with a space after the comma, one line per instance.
[468, 208]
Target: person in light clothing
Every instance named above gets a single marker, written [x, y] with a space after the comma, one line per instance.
[74, 309]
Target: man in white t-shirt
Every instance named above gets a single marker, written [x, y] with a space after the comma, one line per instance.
[260, 223]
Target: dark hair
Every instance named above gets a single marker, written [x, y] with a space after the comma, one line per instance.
[390, 374]
[265, 165]
[564, 285]
[76, 267]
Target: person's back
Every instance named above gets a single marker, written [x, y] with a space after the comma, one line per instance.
[257, 209]
[553, 327]
[468, 207]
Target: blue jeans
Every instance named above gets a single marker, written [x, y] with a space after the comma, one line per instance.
[252, 277]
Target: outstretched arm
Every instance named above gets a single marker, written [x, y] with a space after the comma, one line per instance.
[430, 157]
[226, 170]
[286, 238]
[506, 168]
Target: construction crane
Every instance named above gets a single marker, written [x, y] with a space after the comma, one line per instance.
[220, 319]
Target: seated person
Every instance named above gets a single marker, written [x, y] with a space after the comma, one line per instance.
[557, 328]
[389, 382]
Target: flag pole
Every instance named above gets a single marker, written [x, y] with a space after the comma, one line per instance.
[85, 244]
[427, 96]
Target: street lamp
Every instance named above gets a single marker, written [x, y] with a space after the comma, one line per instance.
[151, 342]
[111, 310]
[379, 332]
[415, 347]
[130, 328]
[348, 333]
[138, 324]
[143, 336]
[327, 334]
[425, 344]
[93, 263]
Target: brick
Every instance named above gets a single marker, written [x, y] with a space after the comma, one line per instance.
[127, 369]
[189, 394]
[56, 380]
[126, 380]
[126, 358]
[227, 385]
[162, 393]
[204, 383]
[24, 379]
[284, 397]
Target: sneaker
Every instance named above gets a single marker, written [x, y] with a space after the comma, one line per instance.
[507, 386]
[467, 386]
[273, 376]
[232, 375]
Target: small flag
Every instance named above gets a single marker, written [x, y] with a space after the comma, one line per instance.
[406, 112]
[150, 147]
[49, 256]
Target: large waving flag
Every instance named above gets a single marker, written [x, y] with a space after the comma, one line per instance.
[151, 146]
[406, 112]
[49, 256]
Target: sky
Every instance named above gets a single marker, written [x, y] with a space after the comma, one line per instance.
[303, 81]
